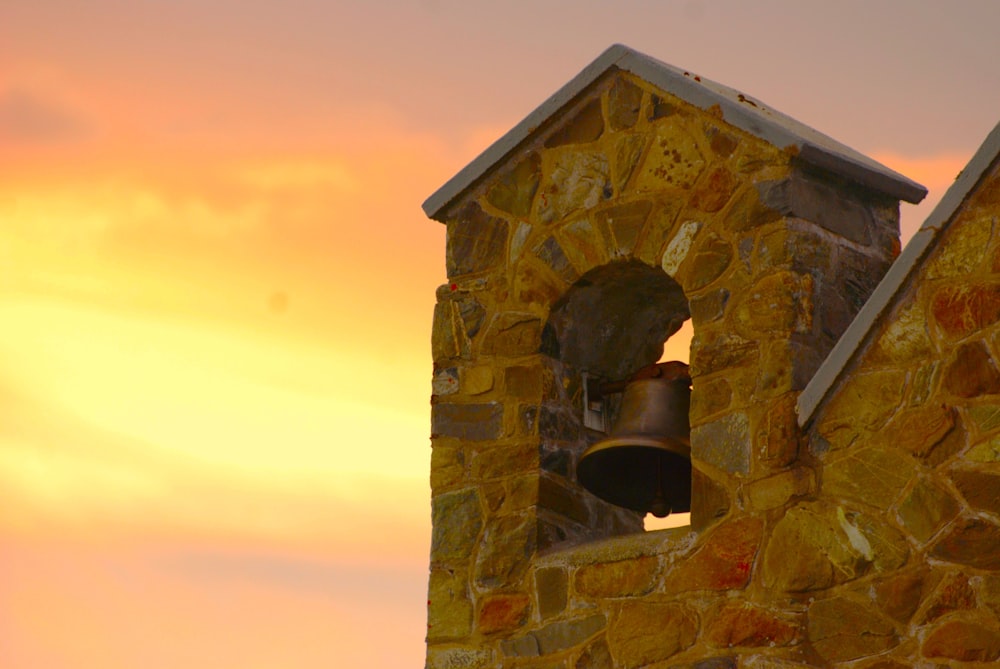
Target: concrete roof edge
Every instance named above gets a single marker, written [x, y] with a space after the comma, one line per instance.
[739, 110]
[777, 128]
[497, 151]
[887, 291]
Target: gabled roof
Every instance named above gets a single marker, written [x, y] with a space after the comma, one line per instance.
[738, 110]
[894, 283]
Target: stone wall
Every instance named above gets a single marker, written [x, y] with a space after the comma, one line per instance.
[620, 217]
[908, 450]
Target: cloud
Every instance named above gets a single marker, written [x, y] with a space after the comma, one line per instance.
[27, 117]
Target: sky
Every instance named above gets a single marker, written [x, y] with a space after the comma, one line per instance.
[216, 283]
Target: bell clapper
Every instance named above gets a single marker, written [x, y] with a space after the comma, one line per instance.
[659, 507]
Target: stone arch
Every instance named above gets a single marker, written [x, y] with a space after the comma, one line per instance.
[611, 321]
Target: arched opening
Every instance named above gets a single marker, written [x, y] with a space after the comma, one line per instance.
[676, 347]
[613, 321]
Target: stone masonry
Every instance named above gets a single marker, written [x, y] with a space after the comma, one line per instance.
[862, 535]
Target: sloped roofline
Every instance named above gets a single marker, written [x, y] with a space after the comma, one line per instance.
[889, 290]
[738, 110]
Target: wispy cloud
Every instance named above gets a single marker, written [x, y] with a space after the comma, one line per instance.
[28, 117]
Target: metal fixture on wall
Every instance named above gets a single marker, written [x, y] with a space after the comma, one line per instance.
[644, 464]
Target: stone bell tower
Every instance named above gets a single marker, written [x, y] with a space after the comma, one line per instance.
[636, 197]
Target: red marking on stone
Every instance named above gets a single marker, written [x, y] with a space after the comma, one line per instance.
[454, 286]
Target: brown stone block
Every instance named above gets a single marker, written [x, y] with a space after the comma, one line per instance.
[953, 594]
[924, 383]
[710, 306]
[457, 518]
[963, 250]
[504, 553]
[777, 490]
[557, 496]
[718, 352]
[646, 632]
[583, 244]
[778, 433]
[821, 203]
[904, 338]
[964, 309]
[524, 382]
[501, 461]
[926, 509]
[900, 595]
[551, 254]
[710, 262]
[595, 656]
[798, 248]
[985, 417]
[624, 578]
[875, 476]
[776, 304]
[709, 501]
[746, 210]
[448, 340]
[573, 180]
[710, 397]
[776, 369]
[963, 641]
[503, 612]
[723, 143]
[971, 372]
[724, 443]
[745, 625]
[989, 592]
[552, 591]
[972, 542]
[980, 489]
[841, 629]
[887, 548]
[815, 546]
[554, 637]
[714, 191]
[624, 104]
[582, 127]
[864, 403]
[674, 159]
[535, 285]
[449, 611]
[515, 189]
[659, 230]
[477, 380]
[723, 561]
[628, 153]
[920, 431]
[458, 657]
[476, 241]
[447, 465]
[625, 222]
[471, 422]
[513, 334]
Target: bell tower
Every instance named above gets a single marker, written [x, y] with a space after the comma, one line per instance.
[635, 198]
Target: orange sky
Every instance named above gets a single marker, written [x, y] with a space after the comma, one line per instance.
[216, 284]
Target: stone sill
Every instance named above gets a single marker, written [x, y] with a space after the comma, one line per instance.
[630, 546]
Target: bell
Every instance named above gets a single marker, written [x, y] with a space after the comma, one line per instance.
[645, 462]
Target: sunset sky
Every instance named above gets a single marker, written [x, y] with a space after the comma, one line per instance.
[216, 283]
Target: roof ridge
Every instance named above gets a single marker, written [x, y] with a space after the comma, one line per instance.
[739, 110]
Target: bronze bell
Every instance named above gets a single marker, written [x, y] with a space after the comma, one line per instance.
[645, 462]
